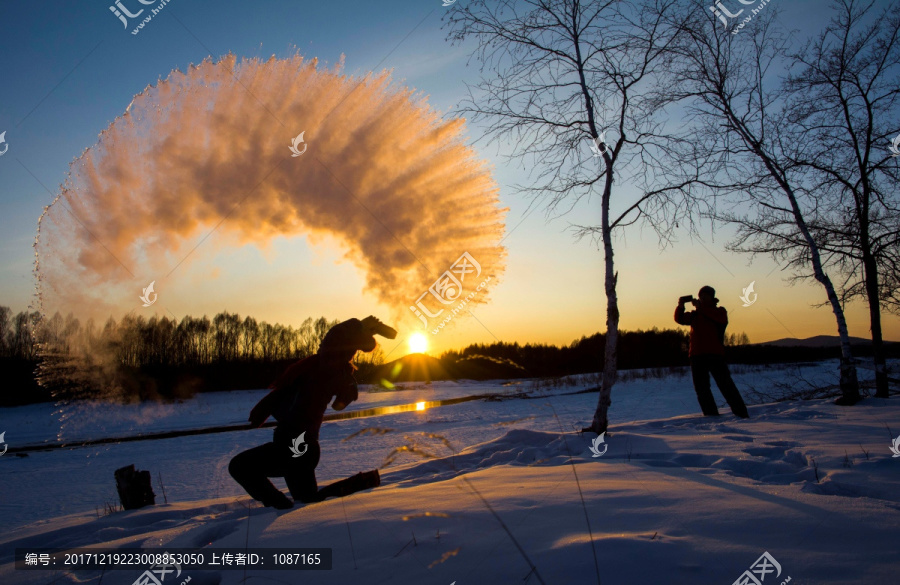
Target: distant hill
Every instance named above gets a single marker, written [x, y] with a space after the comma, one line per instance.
[818, 341]
[412, 368]
[417, 367]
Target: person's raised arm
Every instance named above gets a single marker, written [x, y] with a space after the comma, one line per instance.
[680, 316]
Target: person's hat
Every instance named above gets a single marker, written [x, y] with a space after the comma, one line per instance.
[707, 289]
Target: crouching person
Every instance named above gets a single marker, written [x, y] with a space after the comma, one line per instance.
[298, 401]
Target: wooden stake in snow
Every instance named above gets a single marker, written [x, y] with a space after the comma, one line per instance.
[163, 487]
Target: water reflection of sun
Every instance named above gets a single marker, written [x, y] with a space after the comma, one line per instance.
[418, 343]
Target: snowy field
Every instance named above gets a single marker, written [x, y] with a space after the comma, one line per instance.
[516, 497]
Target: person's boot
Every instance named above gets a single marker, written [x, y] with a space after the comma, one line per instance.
[353, 484]
[740, 411]
[279, 503]
[848, 400]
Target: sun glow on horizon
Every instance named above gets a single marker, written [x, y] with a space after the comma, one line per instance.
[418, 343]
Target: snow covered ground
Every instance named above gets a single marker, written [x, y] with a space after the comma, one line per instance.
[516, 498]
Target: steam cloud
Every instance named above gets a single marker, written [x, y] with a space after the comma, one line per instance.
[383, 173]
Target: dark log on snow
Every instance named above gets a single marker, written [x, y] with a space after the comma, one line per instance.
[134, 488]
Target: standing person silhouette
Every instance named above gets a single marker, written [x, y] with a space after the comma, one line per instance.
[707, 352]
[298, 401]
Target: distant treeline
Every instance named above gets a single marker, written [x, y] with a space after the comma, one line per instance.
[137, 358]
[137, 341]
[654, 348]
[18, 359]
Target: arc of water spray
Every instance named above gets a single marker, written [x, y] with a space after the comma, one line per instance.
[421, 191]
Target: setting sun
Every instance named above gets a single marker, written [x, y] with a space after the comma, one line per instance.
[418, 343]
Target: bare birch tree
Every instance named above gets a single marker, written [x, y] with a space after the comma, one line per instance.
[742, 142]
[845, 110]
[557, 76]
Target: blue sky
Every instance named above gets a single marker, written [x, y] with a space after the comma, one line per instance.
[70, 68]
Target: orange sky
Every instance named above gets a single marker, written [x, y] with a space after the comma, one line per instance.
[552, 291]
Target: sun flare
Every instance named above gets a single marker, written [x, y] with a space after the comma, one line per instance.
[418, 343]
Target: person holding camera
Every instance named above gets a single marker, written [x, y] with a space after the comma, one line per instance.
[298, 401]
[707, 351]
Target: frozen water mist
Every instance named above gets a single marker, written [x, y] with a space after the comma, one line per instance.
[383, 174]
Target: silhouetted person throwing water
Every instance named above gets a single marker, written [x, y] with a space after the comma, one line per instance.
[707, 353]
[298, 401]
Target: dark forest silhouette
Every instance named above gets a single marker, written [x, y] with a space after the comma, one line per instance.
[162, 358]
[146, 358]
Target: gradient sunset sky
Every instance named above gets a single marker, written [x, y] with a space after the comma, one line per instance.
[69, 69]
